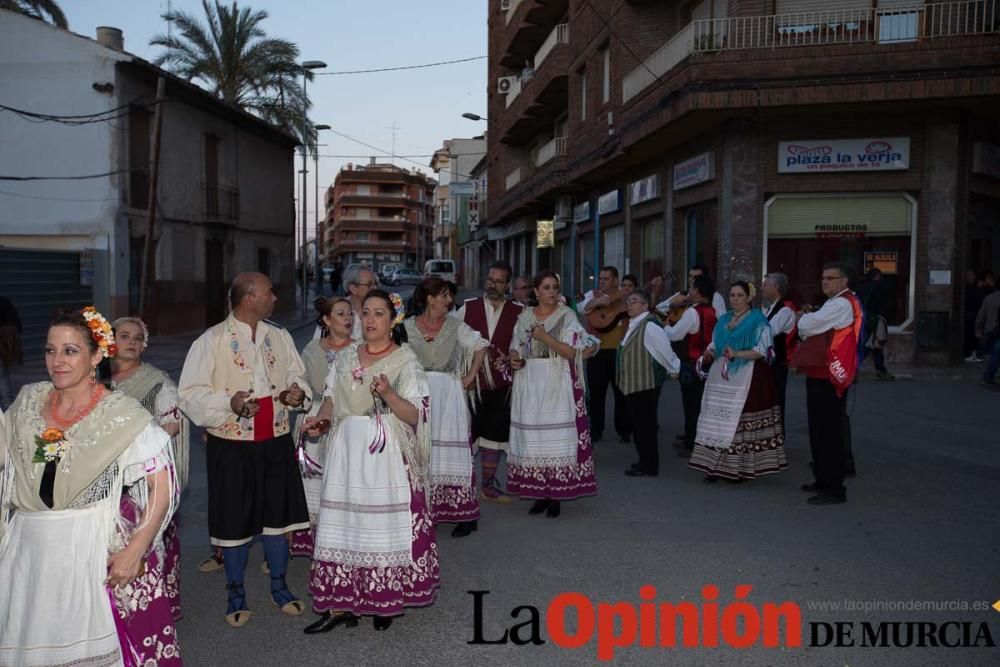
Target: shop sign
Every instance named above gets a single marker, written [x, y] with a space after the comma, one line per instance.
[986, 159]
[840, 231]
[545, 234]
[692, 172]
[608, 202]
[581, 212]
[886, 261]
[462, 188]
[874, 154]
[645, 189]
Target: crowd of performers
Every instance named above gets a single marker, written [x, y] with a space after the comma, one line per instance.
[392, 409]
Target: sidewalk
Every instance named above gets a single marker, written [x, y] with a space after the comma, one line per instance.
[165, 352]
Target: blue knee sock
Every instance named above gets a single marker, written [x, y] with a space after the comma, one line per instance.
[235, 563]
[276, 553]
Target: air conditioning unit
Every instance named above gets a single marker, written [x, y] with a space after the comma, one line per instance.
[505, 83]
[505, 5]
[564, 208]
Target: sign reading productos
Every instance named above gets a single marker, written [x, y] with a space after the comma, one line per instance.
[810, 157]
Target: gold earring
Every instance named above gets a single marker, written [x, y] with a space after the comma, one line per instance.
[93, 375]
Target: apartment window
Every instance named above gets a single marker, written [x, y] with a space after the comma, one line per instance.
[606, 83]
[445, 213]
[362, 189]
[583, 94]
[362, 236]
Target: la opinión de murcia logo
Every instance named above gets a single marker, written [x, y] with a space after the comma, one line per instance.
[709, 623]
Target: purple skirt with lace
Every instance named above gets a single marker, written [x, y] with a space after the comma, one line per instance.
[382, 591]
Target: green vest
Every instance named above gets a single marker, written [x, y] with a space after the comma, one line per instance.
[635, 369]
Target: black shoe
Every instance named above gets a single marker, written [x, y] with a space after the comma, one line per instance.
[554, 509]
[826, 499]
[382, 622]
[328, 621]
[634, 466]
[639, 472]
[539, 506]
[811, 487]
[624, 439]
[465, 529]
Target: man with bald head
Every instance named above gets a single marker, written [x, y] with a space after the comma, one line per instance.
[241, 379]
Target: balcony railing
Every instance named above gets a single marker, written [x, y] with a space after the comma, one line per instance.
[875, 26]
[559, 35]
[222, 202]
[513, 178]
[512, 9]
[550, 150]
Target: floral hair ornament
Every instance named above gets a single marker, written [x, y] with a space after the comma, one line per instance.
[753, 290]
[100, 331]
[397, 305]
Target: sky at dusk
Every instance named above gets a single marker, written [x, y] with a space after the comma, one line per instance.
[424, 104]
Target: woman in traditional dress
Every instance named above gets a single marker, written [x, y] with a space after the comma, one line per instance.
[739, 435]
[336, 318]
[87, 488]
[158, 394]
[452, 353]
[550, 457]
[375, 551]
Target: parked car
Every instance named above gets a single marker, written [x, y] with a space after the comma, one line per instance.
[404, 275]
[386, 270]
[442, 268]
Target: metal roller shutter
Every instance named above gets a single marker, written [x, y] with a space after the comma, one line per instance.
[811, 6]
[803, 217]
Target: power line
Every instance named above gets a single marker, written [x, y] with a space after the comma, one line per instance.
[404, 67]
[18, 194]
[66, 178]
[385, 152]
[620, 40]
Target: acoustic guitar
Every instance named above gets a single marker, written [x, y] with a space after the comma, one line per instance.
[605, 318]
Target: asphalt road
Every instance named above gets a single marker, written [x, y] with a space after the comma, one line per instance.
[921, 525]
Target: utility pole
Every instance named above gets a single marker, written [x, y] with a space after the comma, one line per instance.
[154, 174]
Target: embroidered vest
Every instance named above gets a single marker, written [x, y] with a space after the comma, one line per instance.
[234, 357]
[503, 334]
[636, 370]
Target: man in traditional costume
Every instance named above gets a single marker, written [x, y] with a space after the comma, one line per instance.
[240, 381]
[779, 311]
[158, 394]
[494, 317]
[827, 385]
[691, 337]
[601, 367]
[644, 360]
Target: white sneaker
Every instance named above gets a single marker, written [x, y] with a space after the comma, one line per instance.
[973, 358]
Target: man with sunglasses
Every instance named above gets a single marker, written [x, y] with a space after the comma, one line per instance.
[494, 317]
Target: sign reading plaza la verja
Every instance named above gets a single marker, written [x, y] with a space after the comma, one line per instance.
[875, 154]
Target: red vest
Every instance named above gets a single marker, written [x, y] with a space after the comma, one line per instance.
[842, 352]
[499, 349]
[693, 345]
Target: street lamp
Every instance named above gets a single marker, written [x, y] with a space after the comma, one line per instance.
[473, 116]
[319, 265]
[306, 66]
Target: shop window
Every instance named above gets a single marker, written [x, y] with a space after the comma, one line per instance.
[652, 250]
[614, 248]
[702, 239]
[860, 230]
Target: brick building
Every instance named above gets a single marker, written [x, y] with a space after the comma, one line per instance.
[753, 135]
[378, 214]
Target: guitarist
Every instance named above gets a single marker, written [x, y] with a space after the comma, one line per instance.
[601, 367]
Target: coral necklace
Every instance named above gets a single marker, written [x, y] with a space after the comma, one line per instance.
[375, 354]
[96, 394]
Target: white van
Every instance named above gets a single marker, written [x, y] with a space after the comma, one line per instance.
[442, 268]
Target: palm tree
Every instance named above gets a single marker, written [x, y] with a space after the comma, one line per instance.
[233, 56]
[37, 9]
